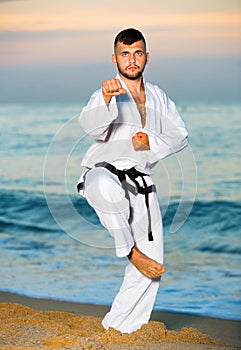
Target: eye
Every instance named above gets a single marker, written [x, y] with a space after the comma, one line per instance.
[124, 54]
[139, 53]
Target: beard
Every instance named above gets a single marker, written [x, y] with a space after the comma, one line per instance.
[134, 76]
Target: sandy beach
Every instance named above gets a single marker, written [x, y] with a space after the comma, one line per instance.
[30, 323]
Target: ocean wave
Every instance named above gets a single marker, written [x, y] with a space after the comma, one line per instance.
[205, 250]
[11, 224]
[23, 211]
[219, 248]
[224, 216]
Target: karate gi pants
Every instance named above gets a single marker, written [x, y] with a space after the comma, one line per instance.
[127, 222]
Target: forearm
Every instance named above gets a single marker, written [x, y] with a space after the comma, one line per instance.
[172, 140]
[173, 136]
[167, 144]
[96, 117]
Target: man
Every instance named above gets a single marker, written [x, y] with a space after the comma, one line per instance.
[135, 125]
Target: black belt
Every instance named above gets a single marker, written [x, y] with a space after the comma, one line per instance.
[133, 174]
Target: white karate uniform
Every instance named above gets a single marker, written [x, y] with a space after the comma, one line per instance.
[126, 218]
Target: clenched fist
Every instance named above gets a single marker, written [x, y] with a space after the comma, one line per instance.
[140, 141]
[112, 87]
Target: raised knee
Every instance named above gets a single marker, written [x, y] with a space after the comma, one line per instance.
[103, 190]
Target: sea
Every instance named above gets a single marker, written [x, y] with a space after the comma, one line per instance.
[52, 244]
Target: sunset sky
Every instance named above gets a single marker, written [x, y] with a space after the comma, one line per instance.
[61, 50]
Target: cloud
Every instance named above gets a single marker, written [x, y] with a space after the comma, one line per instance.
[66, 46]
[19, 35]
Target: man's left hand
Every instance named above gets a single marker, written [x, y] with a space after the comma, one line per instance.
[140, 141]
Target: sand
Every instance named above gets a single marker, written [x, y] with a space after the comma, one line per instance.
[29, 323]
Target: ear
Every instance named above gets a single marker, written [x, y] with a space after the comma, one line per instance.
[147, 57]
[114, 59]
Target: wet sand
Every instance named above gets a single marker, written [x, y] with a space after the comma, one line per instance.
[30, 323]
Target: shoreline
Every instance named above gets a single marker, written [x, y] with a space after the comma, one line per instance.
[223, 330]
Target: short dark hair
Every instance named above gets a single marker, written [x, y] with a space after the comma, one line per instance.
[129, 36]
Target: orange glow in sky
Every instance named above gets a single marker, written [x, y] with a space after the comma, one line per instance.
[41, 33]
[213, 29]
[80, 18]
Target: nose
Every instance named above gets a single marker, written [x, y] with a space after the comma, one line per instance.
[132, 58]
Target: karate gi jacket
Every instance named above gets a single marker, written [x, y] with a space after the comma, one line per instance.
[113, 126]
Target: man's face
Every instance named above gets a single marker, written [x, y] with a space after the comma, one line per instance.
[130, 59]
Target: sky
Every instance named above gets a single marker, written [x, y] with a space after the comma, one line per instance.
[60, 50]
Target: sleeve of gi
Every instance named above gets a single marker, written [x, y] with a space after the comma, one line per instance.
[173, 137]
[96, 116]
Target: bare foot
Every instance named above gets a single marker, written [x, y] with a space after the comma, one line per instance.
[147, 266]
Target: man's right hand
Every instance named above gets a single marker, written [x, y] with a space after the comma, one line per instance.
[112, 87]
